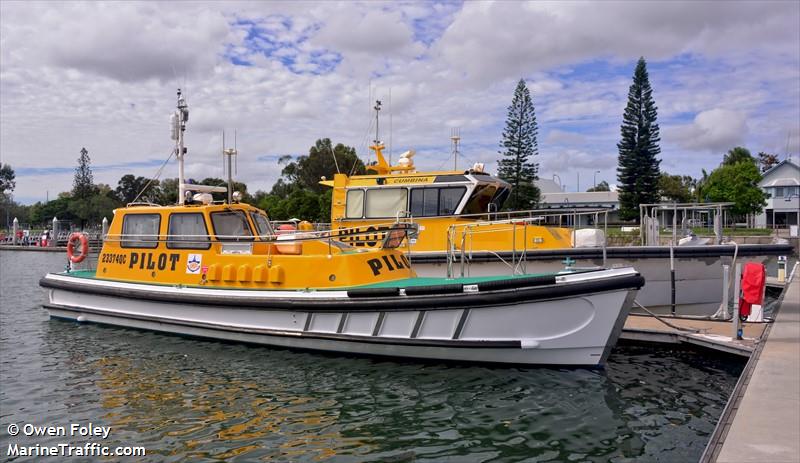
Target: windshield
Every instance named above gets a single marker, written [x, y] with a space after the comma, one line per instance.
[263, 228]
[231, 225]
[480, 199]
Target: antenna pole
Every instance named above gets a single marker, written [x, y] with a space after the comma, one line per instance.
[230, 178]
[181, 115]
[390, 125]
[377, 118]
[229, 153]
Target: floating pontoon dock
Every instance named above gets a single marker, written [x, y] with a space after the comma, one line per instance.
[761, 422]
[711, 334]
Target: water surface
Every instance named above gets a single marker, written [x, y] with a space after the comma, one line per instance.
[194, 400]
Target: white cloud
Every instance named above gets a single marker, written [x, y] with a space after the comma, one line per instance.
[100, 75]
[716, 130]
[556, 136]
[122, 40]
[490, 40]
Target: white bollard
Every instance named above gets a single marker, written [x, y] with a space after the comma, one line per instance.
[14, 229]
[54, 236]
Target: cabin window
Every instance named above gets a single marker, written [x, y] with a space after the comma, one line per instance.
[355, 204]
[386, 202]
[500, 198]
[140, 230]
[449, 198]
[231, 226]
[479, 200]
[430, 202]
[188, 231]
[263, 227]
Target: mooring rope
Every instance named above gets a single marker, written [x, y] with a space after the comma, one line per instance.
[679, 328]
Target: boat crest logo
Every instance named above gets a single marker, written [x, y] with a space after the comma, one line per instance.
[194, 264]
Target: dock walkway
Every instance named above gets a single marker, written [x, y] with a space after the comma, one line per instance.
[711, 334]
[764, 423]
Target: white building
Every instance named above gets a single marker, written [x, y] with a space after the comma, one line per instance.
[782, 185]
[553, 198]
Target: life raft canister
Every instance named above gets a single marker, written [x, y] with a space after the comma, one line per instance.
[754, 279]
[75, 239]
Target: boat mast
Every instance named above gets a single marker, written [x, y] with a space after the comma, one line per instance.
[377, 109]
[229, 153]
[178, 122]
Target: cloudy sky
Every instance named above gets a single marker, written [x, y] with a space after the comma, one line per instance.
[103, 76]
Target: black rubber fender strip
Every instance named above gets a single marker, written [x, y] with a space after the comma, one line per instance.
[373, 292]
[434, 289]
[365, 304]
[540, 280]
[619, 252]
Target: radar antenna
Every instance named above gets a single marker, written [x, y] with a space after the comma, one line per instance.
[455, 136]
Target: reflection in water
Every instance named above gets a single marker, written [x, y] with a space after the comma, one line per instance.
[193, 400]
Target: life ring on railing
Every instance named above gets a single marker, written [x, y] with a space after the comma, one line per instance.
[73, 240]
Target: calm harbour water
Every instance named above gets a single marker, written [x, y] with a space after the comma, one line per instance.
[194, 400]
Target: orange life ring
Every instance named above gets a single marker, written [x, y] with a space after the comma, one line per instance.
[71, 243]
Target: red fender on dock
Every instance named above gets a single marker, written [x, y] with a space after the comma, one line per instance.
[754, 280]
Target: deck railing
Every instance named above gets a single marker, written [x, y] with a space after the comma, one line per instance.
[460, 237]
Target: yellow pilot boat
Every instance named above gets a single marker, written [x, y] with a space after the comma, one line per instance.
[462, 232]
[364, 206]
[218, 270]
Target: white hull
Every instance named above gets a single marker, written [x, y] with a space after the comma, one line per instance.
[565, 330]
[698, 280]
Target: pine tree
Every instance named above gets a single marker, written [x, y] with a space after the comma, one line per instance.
[519, 142]
[83, 184]
[638, 171]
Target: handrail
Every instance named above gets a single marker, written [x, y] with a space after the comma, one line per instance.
[510, 215]
[518, 257]
[283, 238]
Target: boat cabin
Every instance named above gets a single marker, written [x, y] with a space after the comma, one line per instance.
[234, 245]
[363, 206]
[432, 194]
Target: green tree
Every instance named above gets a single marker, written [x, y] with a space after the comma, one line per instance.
[519, 144]
[168, 191]
[83, 184]
[83, 190]
[42, 213]
[737, 183]
[738, 154]
[767, 161]
[9, 209]
[131, 188]
[321, 161]
[700, 187]
[602, 186]
[676, 188]
[638, 169]
[7, 182]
